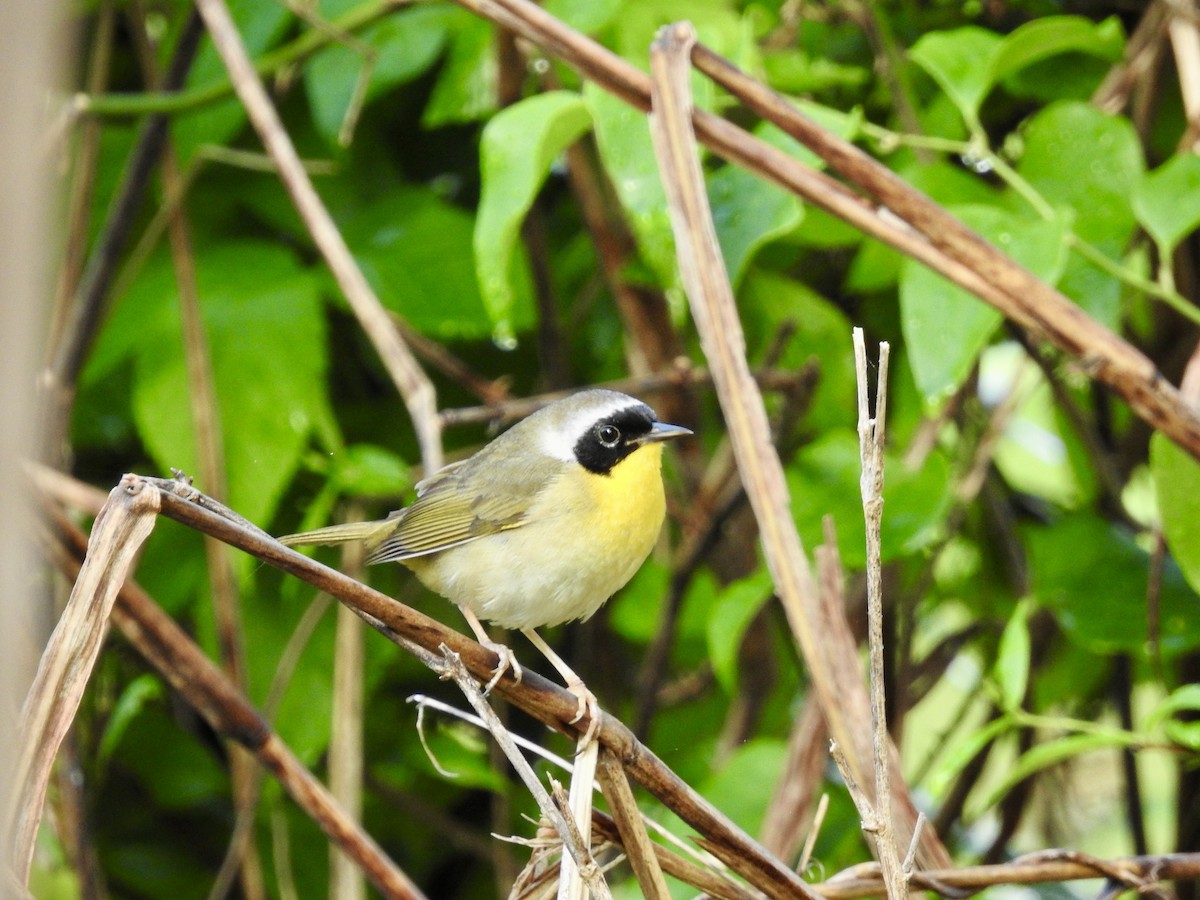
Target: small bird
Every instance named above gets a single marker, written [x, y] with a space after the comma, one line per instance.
[540, 527]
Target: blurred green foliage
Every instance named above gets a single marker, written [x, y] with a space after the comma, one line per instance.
[1031, 601]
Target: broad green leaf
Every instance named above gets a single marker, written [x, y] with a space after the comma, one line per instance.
[1177, 483]
[960, 61]
[1080, 159]
[769, 302]
[736, 607]
[945, 327]
[588, 16]
[1042, 38]
[1012, 658]
[635, 612]
[466, 85]
[1167, 200]
[748, 212]
[364, 470]
[743, 787]
[266, 335]
[404, 44]
[824, 480]
[412, 245]
[1094, 577]
[795, 71]
[1076, 156]
[518, 146]
[623, 136]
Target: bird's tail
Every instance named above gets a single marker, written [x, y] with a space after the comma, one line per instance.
[369, 532]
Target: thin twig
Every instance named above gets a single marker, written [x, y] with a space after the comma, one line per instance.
[536, 695]
[414, 386]
[209, 691]
[844, 699]
[871, 430]
[572, 842]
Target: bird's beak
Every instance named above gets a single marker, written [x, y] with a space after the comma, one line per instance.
[661, 431]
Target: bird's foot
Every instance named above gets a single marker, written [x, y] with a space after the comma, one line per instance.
[589, 706]
[508, 660]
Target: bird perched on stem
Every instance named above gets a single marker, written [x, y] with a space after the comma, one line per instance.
[540, 527]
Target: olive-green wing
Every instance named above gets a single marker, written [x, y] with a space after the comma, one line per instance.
[453, 508]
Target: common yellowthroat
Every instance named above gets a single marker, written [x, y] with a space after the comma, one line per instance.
[540, 527]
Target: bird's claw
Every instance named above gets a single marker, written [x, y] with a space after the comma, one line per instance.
[589, 706]
[508, 660]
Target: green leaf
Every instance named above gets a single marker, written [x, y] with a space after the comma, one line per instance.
[824, 480]
[365, 470]
[1012, 658]
[1078, 157]
[623, 137]
[960, 61]
[588, 16]
[466, 86]
[945, 327]
[519, 144]
[266, 336]
[1094, 577]
[748, 212]
[735, 608]
[1042, 38]
[1167, 200]
[411, 245]
[769, 302]
[134, 698]
[744, 785]
[1177, 483]
[405, 44]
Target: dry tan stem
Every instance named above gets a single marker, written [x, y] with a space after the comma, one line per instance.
[871, 443]
[210, 692]
[123, 525]
[842, 694]
[1185, 42]
[583, 783]
[536, 695]
[1037, 868]
[346, 740]
[572, 841]
[414, 386]
[912, 223]
[638, 846]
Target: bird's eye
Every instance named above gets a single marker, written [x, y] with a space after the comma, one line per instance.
[608, 435]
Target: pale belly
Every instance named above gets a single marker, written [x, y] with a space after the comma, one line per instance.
[580, 547]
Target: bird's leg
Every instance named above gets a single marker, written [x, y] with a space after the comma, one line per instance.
[508, 659]
[587, 700]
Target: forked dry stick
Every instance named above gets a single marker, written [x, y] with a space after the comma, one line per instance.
[69, 657]
[871, 431]
[841, 692]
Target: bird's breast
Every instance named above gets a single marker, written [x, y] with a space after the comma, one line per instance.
[585, 536]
